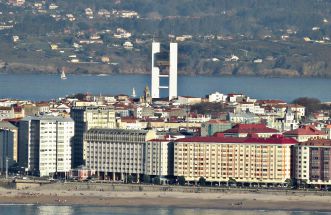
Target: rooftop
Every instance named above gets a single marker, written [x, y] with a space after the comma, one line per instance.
[305, 130]
[250, 128]
[317, 142]
[275, 139]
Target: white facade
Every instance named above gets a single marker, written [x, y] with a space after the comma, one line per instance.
[48, 143]
[173, 61]
[116, 152]
[156, 48]
[217, 97]
[158, 157]
[173, 71]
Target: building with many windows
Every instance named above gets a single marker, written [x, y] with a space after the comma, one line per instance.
[117, 153]
[6, 149]
[45, 145]
[10, 141]
[313, 162]
[221, 159]
[86, 118]
[159, 158]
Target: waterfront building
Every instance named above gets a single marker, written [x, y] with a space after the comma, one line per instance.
[12, 130]
[45, 145]
[159, 158]
[117, 153]
[85, 118]
[305, 133]
[220, 159]
[312, 162]
[6, 149]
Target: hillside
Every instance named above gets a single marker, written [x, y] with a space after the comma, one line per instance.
[269, 38]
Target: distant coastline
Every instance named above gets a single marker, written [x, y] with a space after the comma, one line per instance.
[105, 69]
[57, 194]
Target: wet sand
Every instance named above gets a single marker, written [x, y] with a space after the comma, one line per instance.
[227, 200]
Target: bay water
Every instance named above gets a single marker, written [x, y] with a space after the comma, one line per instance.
[91, 210]
[41, 87]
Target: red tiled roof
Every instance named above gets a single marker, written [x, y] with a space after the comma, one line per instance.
[317, 142]
[274, 139]
[305, 130]
[128, 119]
[250, 128]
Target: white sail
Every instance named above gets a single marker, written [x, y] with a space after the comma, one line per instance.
[134, 93]
[63, 75]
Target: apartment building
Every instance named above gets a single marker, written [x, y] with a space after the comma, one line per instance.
[159, 158]
[12, 131]
[116, 153]
[45, 145]
[87, 117]
[313, 162]
[221, 159]
[6, 149]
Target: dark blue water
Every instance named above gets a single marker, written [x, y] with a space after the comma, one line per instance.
[86, 210]
[44, 86]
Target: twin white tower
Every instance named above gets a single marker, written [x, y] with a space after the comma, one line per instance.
[170, 72]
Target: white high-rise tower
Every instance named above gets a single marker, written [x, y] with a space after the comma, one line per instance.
[172, 74]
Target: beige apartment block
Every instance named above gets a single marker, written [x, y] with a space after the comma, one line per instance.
[244, 160]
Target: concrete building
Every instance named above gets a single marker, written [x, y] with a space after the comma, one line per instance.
[159, 158]
[171, 70]
[222, 159]
[6, 149]
[312, 162]
[7, 113]
[116, 153]
[86, 118]
[45, 145]
[244, 118]
[7, 126]
[213, 126]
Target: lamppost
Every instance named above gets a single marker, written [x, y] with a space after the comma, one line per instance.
[6, 167]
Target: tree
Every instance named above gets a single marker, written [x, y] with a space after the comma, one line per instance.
[181, 180]
[292, 183]
[202, 181]
[157, 180]
[129, 179]
[207, 108]
[147, 179]
[232, 181]
[311, 104]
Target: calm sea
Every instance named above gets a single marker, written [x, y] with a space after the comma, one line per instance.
[86, 210]
[39, 87]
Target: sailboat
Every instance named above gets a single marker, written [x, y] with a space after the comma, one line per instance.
[63, 75]
[133, 93]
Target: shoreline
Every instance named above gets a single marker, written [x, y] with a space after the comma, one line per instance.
[105, 73]
[225, 201]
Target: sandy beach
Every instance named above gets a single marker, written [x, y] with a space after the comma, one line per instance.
[227, 200]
